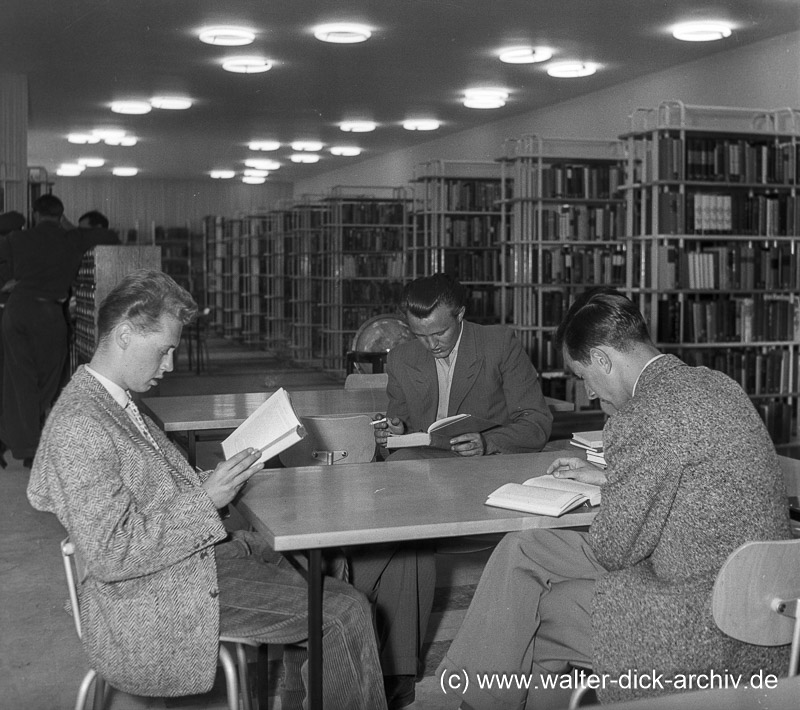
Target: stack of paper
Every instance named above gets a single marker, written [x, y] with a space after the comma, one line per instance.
[592, 442]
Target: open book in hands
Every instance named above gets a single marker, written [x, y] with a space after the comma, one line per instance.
[440, 432]
[273, 427]
[544, 495]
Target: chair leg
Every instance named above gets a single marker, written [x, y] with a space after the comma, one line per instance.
[262, 677]
[99, 692]
[83, 690]
[230, 677]
[244, 676]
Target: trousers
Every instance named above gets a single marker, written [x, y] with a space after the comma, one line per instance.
[530, 616]
[263, 598]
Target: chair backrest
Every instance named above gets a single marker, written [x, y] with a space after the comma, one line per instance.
[347, 438]
[71, 571]
[357, 381]
[756, 595]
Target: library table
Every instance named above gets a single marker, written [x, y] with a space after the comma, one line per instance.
[311, 508]
[204, 412]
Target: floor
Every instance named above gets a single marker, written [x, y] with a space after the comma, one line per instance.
[41, 661]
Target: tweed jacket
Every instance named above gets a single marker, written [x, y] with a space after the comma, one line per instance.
[692, 474]
[145, 532]
[493, 379]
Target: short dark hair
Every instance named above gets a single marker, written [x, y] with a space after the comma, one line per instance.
[48, 206]
[601, 316]
[423, 295]
[142, 298]
[96, 219]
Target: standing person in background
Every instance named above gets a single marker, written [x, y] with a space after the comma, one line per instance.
[43, 261]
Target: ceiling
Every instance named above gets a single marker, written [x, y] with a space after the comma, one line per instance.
[79, 55]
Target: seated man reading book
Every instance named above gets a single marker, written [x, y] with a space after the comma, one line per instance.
[692, 474]
[163, 578]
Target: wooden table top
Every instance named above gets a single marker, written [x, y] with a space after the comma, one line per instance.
[353, 504]
[227, 411]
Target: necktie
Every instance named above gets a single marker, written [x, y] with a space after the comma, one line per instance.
[136, 415]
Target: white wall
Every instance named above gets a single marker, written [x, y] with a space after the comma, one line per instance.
[139, 202]
[760, 75]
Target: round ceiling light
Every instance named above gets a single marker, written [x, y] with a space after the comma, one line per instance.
[701, 31]
[264, 145]
[70, 169]
[571, 70]
[343, 33]
[92, 162]
[125, 172]
[345, 150]
[304, 158]
[222, 174]
[312, 146]
[358, 126]
[171, 103]
[246, 65]
[83, 138]
[227, 36]
[262, 164]
[251, 172]
[421, 124]
[525, 55]
[134, 108]
[254, 180]
[485, 98]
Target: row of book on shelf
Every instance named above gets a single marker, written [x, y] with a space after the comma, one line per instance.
[577, 265]
[728, 267]
[575, 181]
[388, 265]
[582, 222]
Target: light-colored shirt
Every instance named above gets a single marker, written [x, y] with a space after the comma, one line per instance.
[444, 374]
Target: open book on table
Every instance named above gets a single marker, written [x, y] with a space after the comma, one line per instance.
[544, 495]
[440, 432]
[273, 427]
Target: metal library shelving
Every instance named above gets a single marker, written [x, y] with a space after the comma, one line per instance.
[563, 231]
[712, 202]
[457, 228]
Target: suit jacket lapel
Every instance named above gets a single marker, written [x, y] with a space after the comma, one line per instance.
[422, 372]
[468, 365]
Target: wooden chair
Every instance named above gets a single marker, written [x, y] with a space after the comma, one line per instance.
[333, 439]
[235, 680]
[377, 380]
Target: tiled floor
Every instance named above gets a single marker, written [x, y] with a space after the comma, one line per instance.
[41, 661]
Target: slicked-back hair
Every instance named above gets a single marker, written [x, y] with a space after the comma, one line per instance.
[423, 295]
[95, 219]
[142, 298]
[601, 316]
[48, 206]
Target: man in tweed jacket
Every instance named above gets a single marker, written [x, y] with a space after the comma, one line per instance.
[161, 582]
[692, 475]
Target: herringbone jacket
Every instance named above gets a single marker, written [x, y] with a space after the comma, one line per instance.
[145, 531]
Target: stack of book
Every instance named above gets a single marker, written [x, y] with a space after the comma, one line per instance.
[592, 443]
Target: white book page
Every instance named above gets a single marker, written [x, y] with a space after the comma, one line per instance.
[530, 499]
[592, 492]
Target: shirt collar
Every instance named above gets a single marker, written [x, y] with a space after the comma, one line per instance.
[647, 364]
[451, 358]
[120, 395]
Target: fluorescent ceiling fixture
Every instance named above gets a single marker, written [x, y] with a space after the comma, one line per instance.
[571, 70]
[254, 180]
[264, 145]
[92, 162]
[304, 158]
[250, 172]
[358, 126]
[131, 107]
[222, 174]
[262, 164]
[525, 55]
[312, 146]
[172, 103]
[125, 172]
[421, 124]
[128, 141]
[485, 98]
[343, 33]
[247, 65]
[701, 31]
[227, 36]
[106, 133]
[83, 138]
[69, 170]
[345, 150]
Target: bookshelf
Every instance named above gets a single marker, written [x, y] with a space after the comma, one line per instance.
[101, 269]
[713, 219]
[563, 231]
[457, 222]
[182, 257]
[363, 263]
[272, 280]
